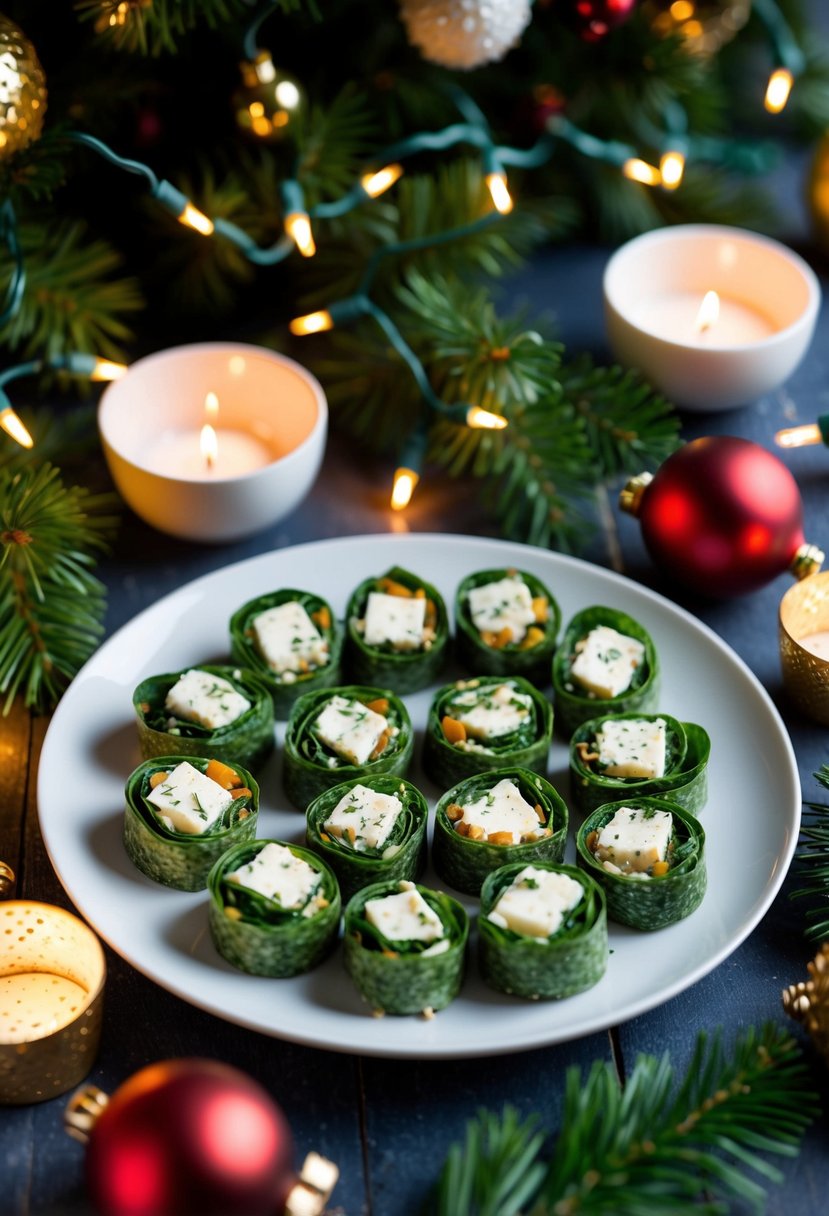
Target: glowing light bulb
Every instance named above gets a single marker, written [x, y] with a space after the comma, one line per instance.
[671, 169]
[484, 419]
[709, 312]
[501, 197]
[105, 369]
[637, 170]
[799, 436]
[377, 183]
[778, 90]
[312, 323]
[405, 481]
[298, 227]
[191, 217]
[12, 425]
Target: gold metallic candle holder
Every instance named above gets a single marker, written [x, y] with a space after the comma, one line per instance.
[804, 612]
[52, 973]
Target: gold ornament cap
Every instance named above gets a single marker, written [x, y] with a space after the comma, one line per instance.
[632, 493]
[7, 878]
[807, 561]
[83, 1110]
[23, 96]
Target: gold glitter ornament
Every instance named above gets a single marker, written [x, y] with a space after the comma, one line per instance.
[704, 25]
[22, 90]
[808, 1001]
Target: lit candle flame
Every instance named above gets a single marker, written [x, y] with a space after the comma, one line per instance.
[484, 419]
[12, 425]
[799, 436]
[211, 406]
[405, 481]
[709, 312]
[778, 90]
[209, 444]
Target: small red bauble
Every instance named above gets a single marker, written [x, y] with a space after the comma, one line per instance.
[190, 1137]
[722, 516]
[594, 19]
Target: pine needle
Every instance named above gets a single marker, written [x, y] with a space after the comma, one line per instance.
[51, 605]
[812, 862]
[662, 1146]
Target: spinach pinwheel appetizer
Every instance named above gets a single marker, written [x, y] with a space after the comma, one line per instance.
[495, 818]
[183, 812]
[274, 908]
[542, 931]
[370, 829]
[220, 712]
[335, 734]
[639, 755]
[649, 856]
[291, 640]
[606, 662]
[478, 725]
[506, 624]
[405, 947]
[397, 631]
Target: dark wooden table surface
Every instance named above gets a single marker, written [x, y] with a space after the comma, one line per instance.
[386, 1122]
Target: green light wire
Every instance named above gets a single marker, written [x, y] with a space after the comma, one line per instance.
[780, 35]
[17, 282]
[121, 162]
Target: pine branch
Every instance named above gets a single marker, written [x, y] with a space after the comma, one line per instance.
[812, 862]
[157, 26]
[51, 605]
[653, 1149]
[72, 299]
[629, 427]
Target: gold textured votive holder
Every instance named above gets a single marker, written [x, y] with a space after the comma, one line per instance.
[52, 973]
[804, 612]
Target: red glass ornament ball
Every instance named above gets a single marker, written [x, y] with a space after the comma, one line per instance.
[723, 516]
[596, 18]
[192, 1137]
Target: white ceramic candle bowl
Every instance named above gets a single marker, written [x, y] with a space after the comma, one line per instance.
[271, 427]
[770, 300]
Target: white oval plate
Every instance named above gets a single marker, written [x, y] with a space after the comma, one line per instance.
[751, 818]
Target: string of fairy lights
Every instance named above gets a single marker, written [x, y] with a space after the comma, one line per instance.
[674, 143]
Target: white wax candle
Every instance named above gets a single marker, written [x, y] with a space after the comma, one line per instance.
[178, 454]
[817, 643]
[34, 1004]
[675, 316]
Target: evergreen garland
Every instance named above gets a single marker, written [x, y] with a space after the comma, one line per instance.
[812, 862]
[660, 1146]
[51, 605]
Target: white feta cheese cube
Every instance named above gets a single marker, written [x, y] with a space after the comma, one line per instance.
[190, 801]
[536, 902]
[404, 917]
[364, 818]
[492, 710]
[350, 729]
[632, 747]
[606, 660]
[502, 809]
[395, 620]
[212, 701]
[505, 604]
[635, 839]
[278, 875]
[288, 640]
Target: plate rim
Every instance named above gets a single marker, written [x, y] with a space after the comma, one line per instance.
[600, 1021]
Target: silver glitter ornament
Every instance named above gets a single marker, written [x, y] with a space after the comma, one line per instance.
[464, 33]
